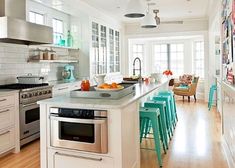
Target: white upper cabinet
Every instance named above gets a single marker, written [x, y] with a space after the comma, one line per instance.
[105, 52]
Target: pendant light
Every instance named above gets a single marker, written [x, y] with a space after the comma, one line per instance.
[149, 20]
[134, 9]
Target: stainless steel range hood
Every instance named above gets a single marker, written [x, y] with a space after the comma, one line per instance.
[15, 29]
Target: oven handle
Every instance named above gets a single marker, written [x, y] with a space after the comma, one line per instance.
[31, 104]
[81, 121]
[79, 157]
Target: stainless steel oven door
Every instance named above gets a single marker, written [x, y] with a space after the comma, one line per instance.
[29, 120]
[90, 135]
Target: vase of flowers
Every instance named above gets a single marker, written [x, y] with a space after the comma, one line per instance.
[168, 73]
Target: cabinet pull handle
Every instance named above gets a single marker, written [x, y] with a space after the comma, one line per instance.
[2, 100]
[63, 88]
[4, 111]
[4, 133]
[80, 157]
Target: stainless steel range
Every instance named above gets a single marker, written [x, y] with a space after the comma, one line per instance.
[29, 109]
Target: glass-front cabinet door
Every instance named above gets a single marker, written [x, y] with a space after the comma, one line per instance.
[117, 51]
[111, 51]
[105, 52]
[95, 48]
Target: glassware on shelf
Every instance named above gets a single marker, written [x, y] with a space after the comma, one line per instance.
[62, 41]
[69, 39]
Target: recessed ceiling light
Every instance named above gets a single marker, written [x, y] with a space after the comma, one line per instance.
[118, 7]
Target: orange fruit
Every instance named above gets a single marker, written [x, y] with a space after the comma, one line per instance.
[114, 85]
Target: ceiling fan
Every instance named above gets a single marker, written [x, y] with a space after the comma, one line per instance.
[134, 10]
[158, 20]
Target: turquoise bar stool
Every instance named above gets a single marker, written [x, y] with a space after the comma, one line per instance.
[165, 127]
[173, 104]
[213, 88]
[153, 115]
[147, 127]
[169, 114]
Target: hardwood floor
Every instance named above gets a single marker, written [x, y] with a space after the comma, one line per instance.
[27, 158]
[196, 143]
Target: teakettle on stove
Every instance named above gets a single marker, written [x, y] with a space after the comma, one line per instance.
[67, 73]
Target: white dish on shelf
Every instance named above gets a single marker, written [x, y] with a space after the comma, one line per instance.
[114, 89]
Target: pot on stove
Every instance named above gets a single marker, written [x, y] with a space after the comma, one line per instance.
[30, 79]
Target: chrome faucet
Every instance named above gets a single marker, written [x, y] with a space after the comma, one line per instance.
[134, 69]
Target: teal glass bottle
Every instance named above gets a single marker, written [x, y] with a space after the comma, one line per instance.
[69, 39]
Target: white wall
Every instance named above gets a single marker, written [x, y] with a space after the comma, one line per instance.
[13, 58]
[49, 14]
[13, 63]
[188, 28]
[215, 61]
[148, 56]
[81, 18]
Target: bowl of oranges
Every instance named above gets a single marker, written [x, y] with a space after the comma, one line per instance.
[109, 87]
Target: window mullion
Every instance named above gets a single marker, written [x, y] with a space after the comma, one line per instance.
[168, 57]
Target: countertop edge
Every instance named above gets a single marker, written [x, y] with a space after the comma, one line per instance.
[7, 91]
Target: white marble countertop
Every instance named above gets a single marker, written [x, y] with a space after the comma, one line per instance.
[61, 82]
[141, 90]
[230, 88]
[7, 91]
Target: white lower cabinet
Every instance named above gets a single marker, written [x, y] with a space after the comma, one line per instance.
[7, 117]
[7, 100]
[9, 122]
[64, 159]
[7, 140]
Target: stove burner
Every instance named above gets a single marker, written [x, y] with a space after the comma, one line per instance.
[17, 86]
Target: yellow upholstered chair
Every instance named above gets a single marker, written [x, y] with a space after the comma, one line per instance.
[189, 90]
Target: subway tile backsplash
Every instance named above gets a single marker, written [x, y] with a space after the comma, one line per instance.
[13, 63]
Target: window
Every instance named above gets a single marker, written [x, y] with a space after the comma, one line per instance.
[138, 51]
[177, 59]
[160, 58]
[169, 56]
[199, 58]
[58, 29]
[36, 18]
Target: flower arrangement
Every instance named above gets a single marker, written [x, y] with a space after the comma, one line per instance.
[168, 72]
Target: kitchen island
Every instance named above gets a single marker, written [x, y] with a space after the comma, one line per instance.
[123, 147]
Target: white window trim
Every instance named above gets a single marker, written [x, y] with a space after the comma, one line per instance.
[43, 15]
[201, 79]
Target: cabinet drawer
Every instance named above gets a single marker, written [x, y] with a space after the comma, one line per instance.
[7, 101]
[6, 140]
[6, 117]
[62, 160]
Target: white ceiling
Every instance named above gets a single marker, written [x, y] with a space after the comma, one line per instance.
[170, 10]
